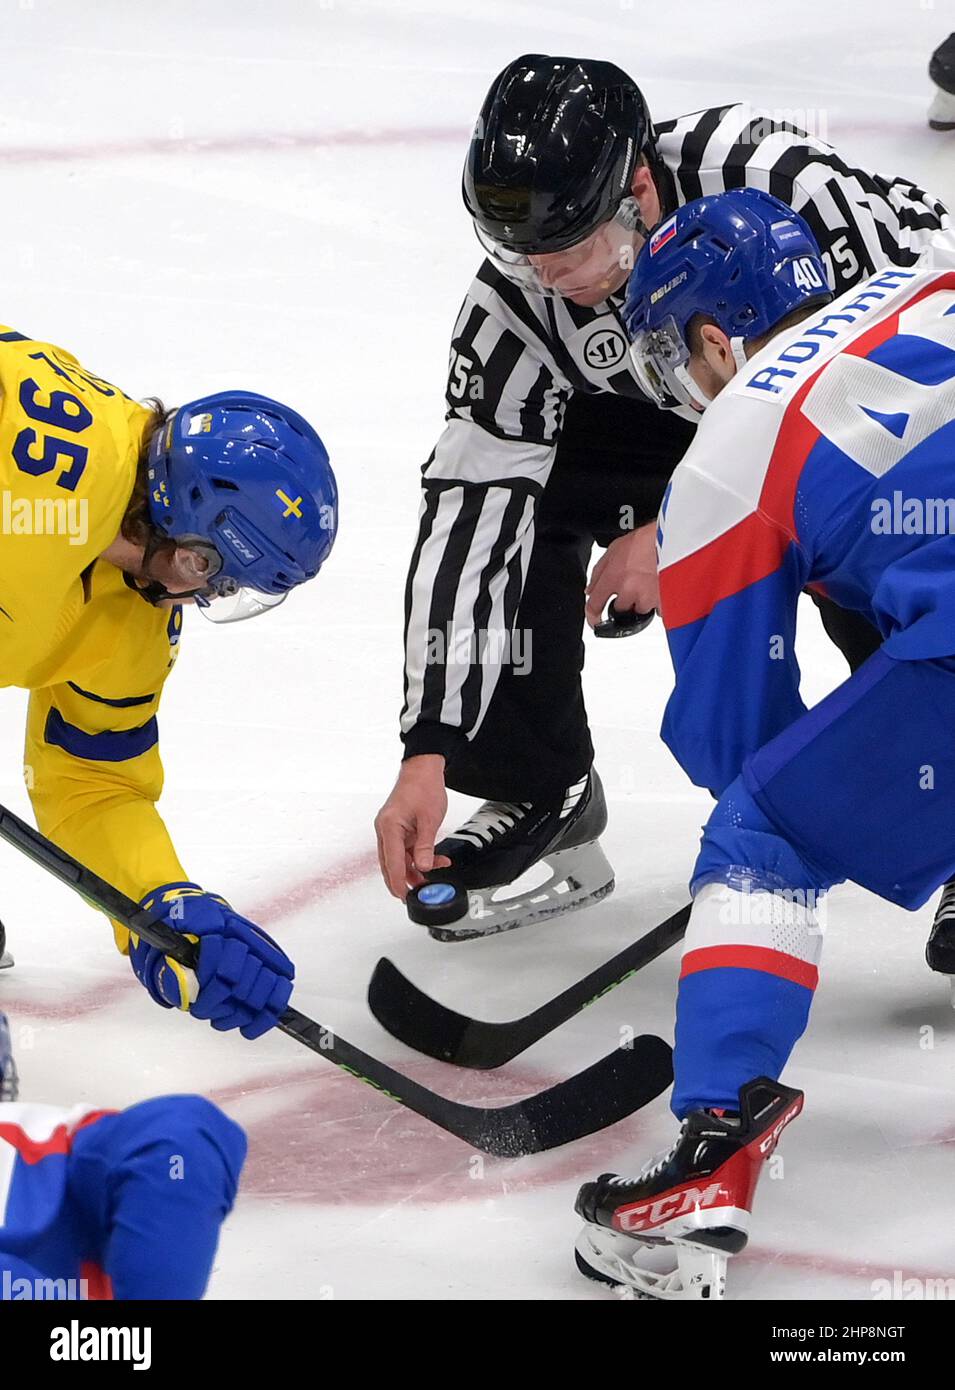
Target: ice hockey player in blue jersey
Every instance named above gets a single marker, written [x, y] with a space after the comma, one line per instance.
[100, 1204]
[824, 458]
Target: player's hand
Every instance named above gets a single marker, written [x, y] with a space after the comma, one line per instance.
[408, 824]
[627, 573]
[242, 978]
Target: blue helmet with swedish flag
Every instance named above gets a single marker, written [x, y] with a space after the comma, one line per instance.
[247, 483]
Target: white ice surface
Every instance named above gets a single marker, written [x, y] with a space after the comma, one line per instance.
[197, 197]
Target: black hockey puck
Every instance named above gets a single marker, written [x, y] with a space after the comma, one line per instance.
[623, 624]
[437, 904]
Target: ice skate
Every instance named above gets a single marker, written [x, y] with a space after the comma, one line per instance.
[941, 113]
[514, 863]
[6, 960]
[668, 1233]
[940, 947]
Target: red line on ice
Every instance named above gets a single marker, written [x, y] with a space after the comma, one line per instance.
[249, 143]
[304, 1140]
[287, 901]
[300, 895]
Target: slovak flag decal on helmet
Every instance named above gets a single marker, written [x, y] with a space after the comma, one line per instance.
[663, 235]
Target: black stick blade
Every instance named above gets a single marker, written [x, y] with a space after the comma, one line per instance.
[610, 1090]
[423, 1023]
[604, 1093]
[413, 1017]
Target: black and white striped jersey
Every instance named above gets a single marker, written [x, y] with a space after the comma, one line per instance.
[516, 357]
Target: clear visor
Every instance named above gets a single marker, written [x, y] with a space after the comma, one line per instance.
[219, 598]
[587, 272]
[661, 363]
[236, 606]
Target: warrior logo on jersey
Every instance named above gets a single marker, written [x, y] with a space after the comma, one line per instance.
[604, 349]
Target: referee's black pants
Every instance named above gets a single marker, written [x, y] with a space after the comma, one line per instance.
[613, 463]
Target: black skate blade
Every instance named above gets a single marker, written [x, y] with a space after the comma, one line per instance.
[618, 1286]
[590, 1272]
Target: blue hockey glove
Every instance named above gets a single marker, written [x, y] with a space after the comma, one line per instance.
[242, 978]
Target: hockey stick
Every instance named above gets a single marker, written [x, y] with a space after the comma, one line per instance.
[606, 1092]
[419, 1021]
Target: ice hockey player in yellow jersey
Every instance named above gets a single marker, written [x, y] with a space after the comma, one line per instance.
[112, 514]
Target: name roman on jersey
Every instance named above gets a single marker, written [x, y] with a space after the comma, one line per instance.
[824, 331]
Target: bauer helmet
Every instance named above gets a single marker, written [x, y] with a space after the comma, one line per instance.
[743, 258]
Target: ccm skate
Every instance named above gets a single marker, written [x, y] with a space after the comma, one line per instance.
[668, 1233]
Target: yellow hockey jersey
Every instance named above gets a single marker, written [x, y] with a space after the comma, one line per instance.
[93, 653]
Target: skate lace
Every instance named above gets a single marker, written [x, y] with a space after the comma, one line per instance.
[946, 907]
[652, 1166]
[494, 818]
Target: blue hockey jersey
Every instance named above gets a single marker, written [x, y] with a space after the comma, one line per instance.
[828, 462]
[99, 1204]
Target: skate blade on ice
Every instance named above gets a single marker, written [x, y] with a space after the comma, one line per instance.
[941, 113]
[658, 1271]
[577, 877]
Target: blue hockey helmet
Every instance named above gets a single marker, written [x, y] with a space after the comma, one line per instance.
[742, 258]
[247, 483]
[9, 1082]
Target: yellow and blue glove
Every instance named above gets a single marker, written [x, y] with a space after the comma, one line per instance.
[242, 978]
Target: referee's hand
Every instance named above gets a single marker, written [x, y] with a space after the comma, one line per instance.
[627, 573]
[408, 824]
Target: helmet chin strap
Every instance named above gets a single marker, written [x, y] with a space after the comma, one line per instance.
[695, 393]
[738, 349]
[155, 592]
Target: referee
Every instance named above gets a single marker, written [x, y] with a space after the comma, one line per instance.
[565, 177]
